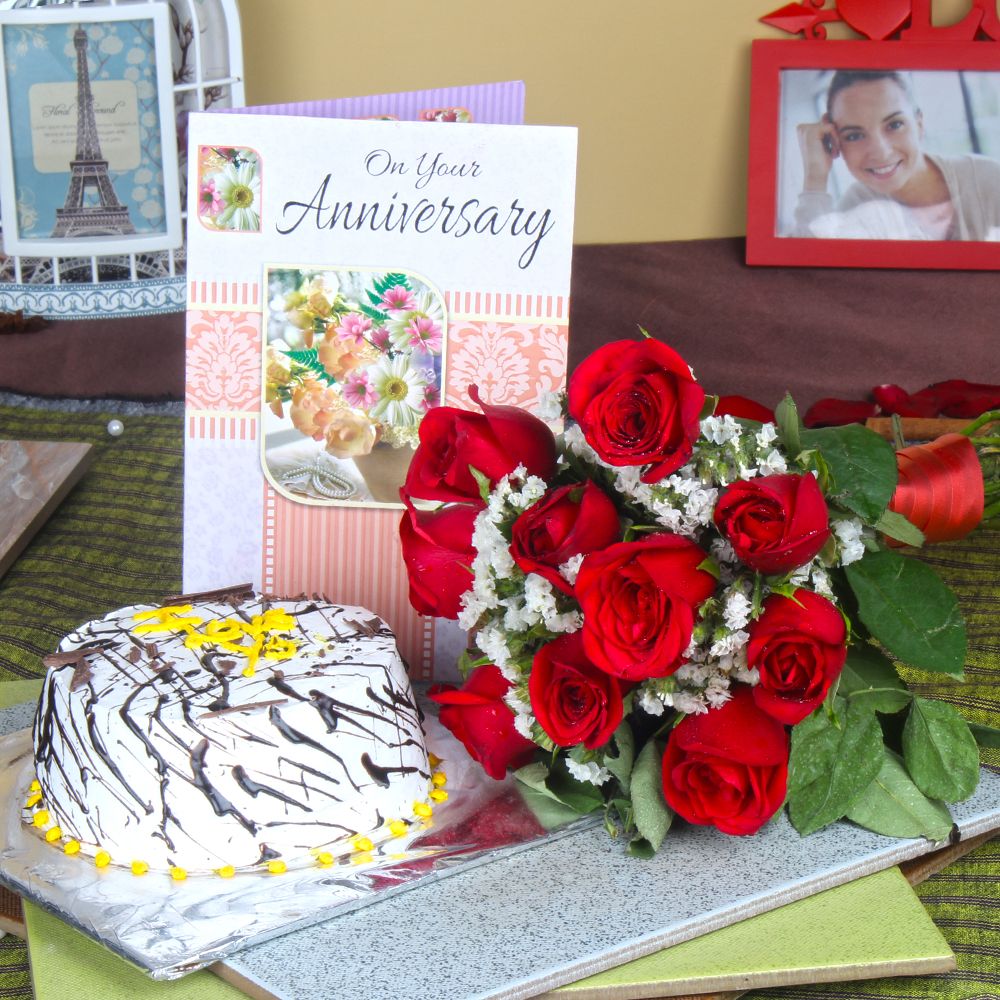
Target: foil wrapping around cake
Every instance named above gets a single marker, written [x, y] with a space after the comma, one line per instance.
[169, 929]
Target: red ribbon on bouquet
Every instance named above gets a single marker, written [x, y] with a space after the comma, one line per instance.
[940, 487]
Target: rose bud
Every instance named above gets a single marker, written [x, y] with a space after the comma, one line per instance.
[775, 523]
[798, 645]
[478, 717]
[638, 601]
[728, 767]
[566, 522]
[573, 701]
[438, 553]
[637, 403]
[493, 442]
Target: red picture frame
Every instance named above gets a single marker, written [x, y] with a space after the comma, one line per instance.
[780, 71]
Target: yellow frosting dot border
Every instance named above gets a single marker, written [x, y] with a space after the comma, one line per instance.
[361, 845]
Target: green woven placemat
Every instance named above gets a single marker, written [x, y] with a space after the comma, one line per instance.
[115, 540]
[964, 899]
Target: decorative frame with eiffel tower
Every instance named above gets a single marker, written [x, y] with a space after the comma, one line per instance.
[88, 154]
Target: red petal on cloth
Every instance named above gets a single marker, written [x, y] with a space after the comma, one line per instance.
[940, 487]
[958, 398]
[895, 399]
[833, 412]
[740, 406]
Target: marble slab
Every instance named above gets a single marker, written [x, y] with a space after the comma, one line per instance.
[35, 477]
[558, 912]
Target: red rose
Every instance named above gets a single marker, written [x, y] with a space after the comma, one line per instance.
[776, 523]
[798, 645]
[566, 522]
[477, 716]
[493, 442]
[637, 403]
[727, 768]
[638, 600]
[573, 701]
[438, 553]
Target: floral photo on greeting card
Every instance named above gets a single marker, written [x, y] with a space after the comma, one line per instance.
[354, 359]
[229, 188]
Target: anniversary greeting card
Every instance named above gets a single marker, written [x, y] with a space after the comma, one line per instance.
[344, 277]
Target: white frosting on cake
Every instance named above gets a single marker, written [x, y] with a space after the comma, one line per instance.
[229, 734]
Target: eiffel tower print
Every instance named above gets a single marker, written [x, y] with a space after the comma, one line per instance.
[89, 169]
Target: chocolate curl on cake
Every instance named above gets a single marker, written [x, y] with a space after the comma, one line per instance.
[237, 592]
[940, 487]
[77, 659]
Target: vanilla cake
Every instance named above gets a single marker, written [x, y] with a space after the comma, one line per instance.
[218, 735]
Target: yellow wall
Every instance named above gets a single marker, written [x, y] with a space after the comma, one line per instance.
[658, 88]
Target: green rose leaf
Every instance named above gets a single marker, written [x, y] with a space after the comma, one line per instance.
[581, 796]
[620, 765]
[896, 526]
[870, 677]
[940, 752]
[649, 808]
[640, 848]
[907, 607]
[831, 765]
[863, 466]
[985, 736]
[893, 805]
[555, 796]
[547, 809]
[550, 812]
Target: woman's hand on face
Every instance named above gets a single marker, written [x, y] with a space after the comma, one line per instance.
[818, 143]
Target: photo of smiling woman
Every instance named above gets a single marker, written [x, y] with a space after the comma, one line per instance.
[881, 154]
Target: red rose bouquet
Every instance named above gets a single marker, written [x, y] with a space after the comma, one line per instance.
[683, 613]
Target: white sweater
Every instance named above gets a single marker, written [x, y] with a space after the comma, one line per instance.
[973, 185]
